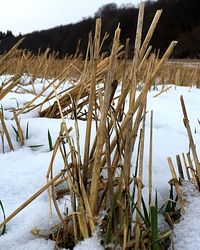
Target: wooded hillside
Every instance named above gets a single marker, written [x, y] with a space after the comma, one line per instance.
[180, 21]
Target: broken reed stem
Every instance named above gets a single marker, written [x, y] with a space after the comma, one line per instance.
[194, 175]
[189, 132]
[32, 198]
[176, 184]
[163, 91]
[186, 166]
[150, 33]
[60, 77]
[138, 35]
[5, 130]
[14, 82]
[150, 157]
[180, 168]
[136, 58]
[164, 58]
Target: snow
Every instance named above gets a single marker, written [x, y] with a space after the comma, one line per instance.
[187, 231]
[23, 171]
[91, 243]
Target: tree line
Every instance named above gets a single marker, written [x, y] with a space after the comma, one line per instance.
[180, 21]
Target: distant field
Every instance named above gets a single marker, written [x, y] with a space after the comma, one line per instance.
[191, 62]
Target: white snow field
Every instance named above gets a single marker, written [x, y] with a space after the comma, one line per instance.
[23, 171]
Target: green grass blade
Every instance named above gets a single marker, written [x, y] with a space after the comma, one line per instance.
[50, 141]
[4, 216]
[16, 132]
[27, 130]
[156, 200]
[35, 146]
[154, 228]
[142, 217]
[146, 215]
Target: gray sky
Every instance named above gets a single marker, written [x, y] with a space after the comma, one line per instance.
[28, 15]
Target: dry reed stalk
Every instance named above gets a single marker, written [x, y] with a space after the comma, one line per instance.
[144, 58]
[31, 199]
[79, 188]
[133, 133]
[55, 149]
[10, 53]
[133, 136]
[102, 126]
[50, 170]
[124, 82]
[5, 130]
[80, 90]
[75, 226]
[180, 168]
[131, 112]
[136, 169]
[82, 222]
[15, 80]
[150, 157]
[83, 193]
[152, 77]
[150, 33]
[164, 58]
[128, 146]
[81, 216]
[140, 184]
[36, 97]
[189, 132]
[49, 174]
[163, 91]
[136, 58]
[80, 178]
[91, 98]
[186, 166]
[176, 184]
[5, 83]
[110, 183]
[194, 175]
[181, 74]
[103, 185]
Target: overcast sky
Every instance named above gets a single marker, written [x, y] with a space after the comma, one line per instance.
[28, 15]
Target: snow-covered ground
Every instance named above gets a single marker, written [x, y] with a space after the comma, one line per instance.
[187, 231]
[23, 171]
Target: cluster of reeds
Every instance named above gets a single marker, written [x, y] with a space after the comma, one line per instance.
[45, 65]
[48, 66]
[180, 73]
[188, 167]
[104, 185]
